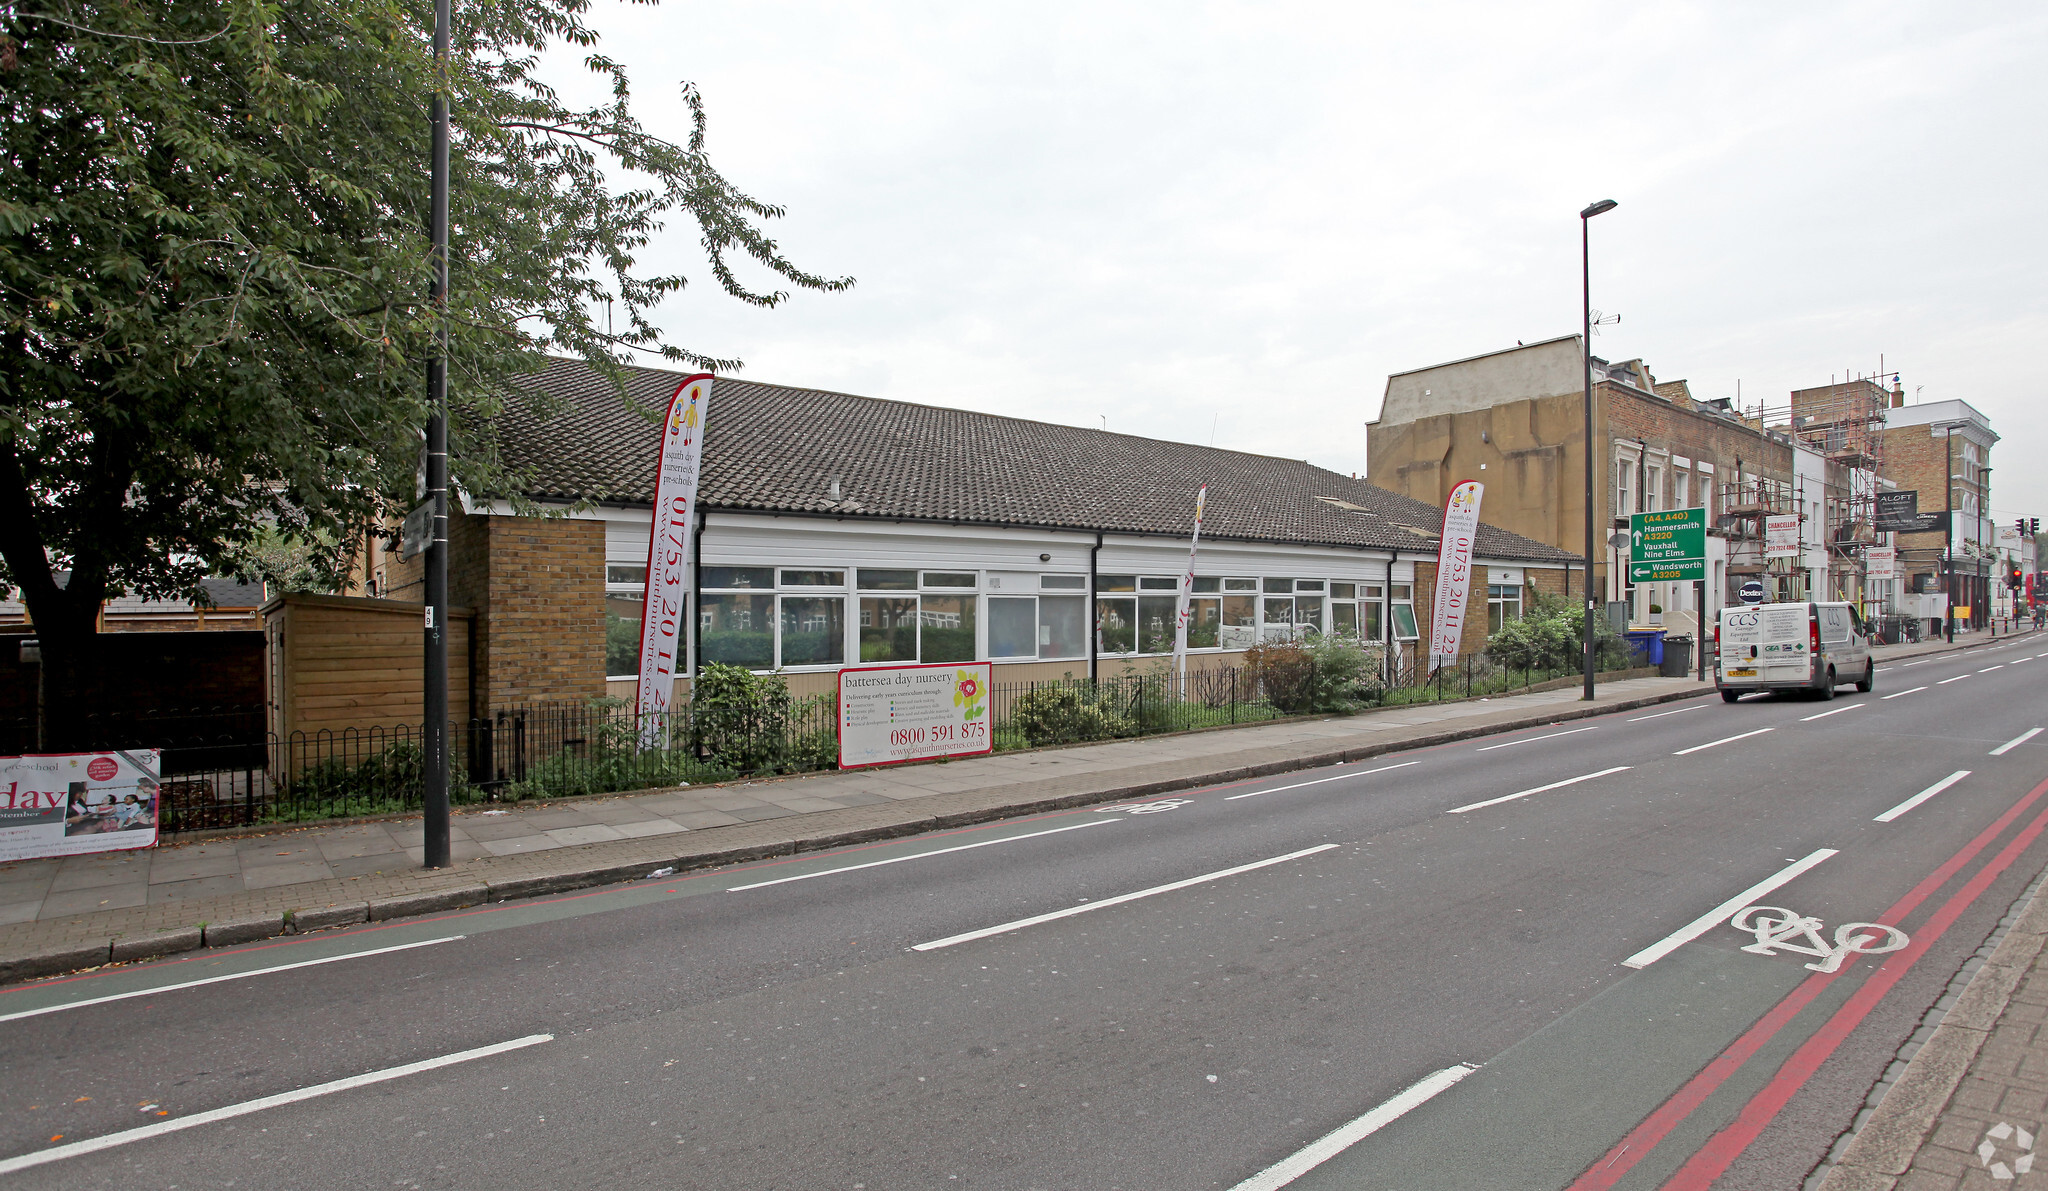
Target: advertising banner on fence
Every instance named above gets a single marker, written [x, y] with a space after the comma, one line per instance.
[64, 804]
[663, 629]
[1454, 572]
[1187, 588]
[892, 714]
[1781, 535]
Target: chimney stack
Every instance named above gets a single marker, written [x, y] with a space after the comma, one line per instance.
[1898, 394]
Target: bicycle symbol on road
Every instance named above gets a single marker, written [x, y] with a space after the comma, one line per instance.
[1779, 929]
[1148, 808]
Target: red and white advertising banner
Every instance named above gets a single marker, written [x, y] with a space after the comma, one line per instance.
[892, 714]
[1187, 588]
[65, 804]
[1454, 572]
[664, 629]
[1781, 535]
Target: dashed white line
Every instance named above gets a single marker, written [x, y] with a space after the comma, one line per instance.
[1804, 719]
[1902, 694]
[1989, 669]
[987, 843]
[1319, 781]
[1721, 913]
[164, 988]
[1335, 1142]
[1532, 739]
[1921, 662]
[1118, 900]
[2000, 751]
[1946, 681]
[1660, 715]
[1922, 796]
[1724, 740]
[1570, 781]
[95, 1144]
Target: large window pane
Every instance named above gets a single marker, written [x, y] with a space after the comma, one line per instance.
[1205, 616]
[619, 572]
[1240, 628]
[1116, 624]
[1276, 622]
[622, 635]
[1344, 617]
[813, 630]
[1012, 627]
[946, 627]
[1155, 624]
[1308, 614]
[888, 629]
[762, 577]
[1062, 627]
[737, 630]
[1370, 629]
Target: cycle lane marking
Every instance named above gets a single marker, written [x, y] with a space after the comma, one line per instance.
[1725, 911]
[1120, 899]
[1342, 1138]
[2015, 742]
[109, 1141]
[1645, 1137]
[1319, 781]
[1922, 796]
[1532, 739]
[1570, 781]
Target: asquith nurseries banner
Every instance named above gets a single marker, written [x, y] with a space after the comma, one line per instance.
[663, 630]
[65, 804]
[1454, 572]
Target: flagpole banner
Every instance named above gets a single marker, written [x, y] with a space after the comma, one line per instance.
[1454, 572]
[65, 804]
[664, 629]
[1187, 588]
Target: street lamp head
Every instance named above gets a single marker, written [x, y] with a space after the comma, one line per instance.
[1600, 208]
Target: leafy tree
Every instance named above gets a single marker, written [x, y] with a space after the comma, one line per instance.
[214, 269]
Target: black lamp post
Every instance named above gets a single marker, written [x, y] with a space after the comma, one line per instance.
[1586, 292]
[434, 681]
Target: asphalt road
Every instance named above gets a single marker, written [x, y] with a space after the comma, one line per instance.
[1322, 942]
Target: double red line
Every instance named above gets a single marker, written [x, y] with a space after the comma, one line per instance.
[1724, 1147]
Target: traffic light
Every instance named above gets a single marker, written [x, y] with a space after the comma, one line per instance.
[2036, 526]
[2013, 578]
[2021, 525]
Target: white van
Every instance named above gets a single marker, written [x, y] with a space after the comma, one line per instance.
[1791, 647]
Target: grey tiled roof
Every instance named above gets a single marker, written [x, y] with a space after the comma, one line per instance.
[774, 448]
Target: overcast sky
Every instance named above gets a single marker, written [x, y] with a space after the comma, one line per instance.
[1238, 219]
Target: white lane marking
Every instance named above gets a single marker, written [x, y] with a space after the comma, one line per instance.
[1342, 1138]
[1902, 694]
[2000, 751]
[1722, 913]
[1532, 740]
[1118, 900]
[164, 988]
[1008, 839]
[1319, 781]
[1989, 669]
[94, 1144]
[1660, 715]
[1570, 781]
[1922, 796]
[1724, 740]
[2017, 661]
[1825, 714]
[1921, 662]
[1882, 669]
[1946, 681]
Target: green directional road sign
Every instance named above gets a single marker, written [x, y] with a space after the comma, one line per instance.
[1667, 546]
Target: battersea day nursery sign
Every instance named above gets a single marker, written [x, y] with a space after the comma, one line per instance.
[890, 714]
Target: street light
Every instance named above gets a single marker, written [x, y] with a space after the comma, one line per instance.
[1586, 292]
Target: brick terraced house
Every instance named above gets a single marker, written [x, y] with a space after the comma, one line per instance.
[838, 530]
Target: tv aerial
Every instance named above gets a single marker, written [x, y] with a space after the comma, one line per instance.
[1600, 320]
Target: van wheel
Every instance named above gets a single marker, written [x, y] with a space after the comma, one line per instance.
[1730, 696]
[1827, 685]
[1869, 679]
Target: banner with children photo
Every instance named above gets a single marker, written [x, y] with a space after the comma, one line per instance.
[65, 804]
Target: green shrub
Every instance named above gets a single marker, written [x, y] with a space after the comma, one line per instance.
[750, 723]
[1284, 672]
[1066, 713]
[1551, 634]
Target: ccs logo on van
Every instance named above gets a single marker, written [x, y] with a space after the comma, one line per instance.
[1743, 620]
